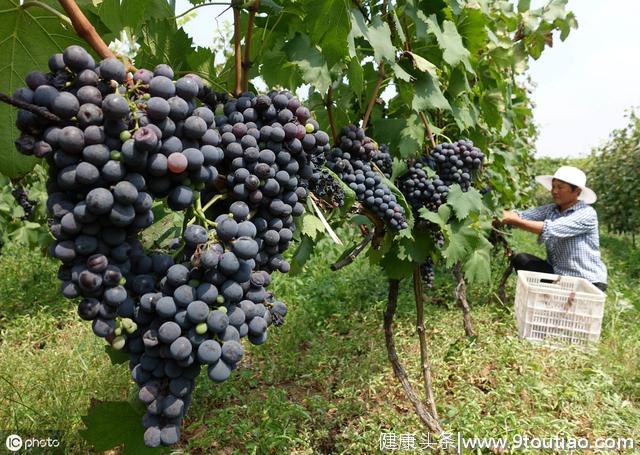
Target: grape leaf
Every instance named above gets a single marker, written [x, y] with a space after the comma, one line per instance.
[301, 255]
[412, 137]
[356, 76]
[311, 225]
[308, 58]
[328, 25]
[464, 202]
[379, 36]
[394, 267]
[162, 43]
[477, 267]
[115, 423]
[421, 63]
[450, 42]
[428, 95]
[30, 35]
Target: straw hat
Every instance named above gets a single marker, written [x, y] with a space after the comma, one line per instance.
[574, 176]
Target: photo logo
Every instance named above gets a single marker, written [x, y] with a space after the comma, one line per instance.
[13, 442]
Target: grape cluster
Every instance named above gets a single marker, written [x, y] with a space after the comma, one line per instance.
[126, 141]
[22, 198]
[427, 273]
[273, 152]
[421, 187]
[456, 162]
[327, 188]
[382, 159]
[205, 304]
[351, 161]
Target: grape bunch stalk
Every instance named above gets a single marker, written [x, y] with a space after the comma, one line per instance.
[241, 170]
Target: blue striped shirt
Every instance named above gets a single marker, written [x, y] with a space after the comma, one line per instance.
[571, 239]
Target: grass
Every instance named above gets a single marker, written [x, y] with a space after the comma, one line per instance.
[322, 383]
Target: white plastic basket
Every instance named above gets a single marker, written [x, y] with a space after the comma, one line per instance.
[558, 309]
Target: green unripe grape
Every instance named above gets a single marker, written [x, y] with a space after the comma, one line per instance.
[125, 135]
[122, 281]
[201, 328]
[194, 283]
[222, 308]
[309, 127]
[199, 186]
[118, 331]
[132, 327]
[220, 300]
[146, 96]
[118, 342]
[115, 155]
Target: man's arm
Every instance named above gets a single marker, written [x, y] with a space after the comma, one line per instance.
[513, 219]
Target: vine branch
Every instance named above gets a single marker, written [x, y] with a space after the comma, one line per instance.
[427, 127]
[461, 296]
[432, 424]
[374, 96]
[360, 247]
[85, 30]
[237, 50]
[246, 64]
[329, 105]
[38, 110]
[424, 350]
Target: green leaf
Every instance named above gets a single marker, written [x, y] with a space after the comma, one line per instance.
[419, 19]
[311, 225]
[477, 268]
[301, 255]
[379, 36]
[412, 137]
[464, 202]
[458, 83]
[524, 5]
[450, 42]
[395, 268]
[116, 357]
[428, 95]
[29, 37]
[356, 76]
[433, 217]
[115, 423]
[398, 168]
[162, 43]
[310, 61]
[328, 26]
[421, 63]
[457, 246]
[388, 131]
[492, 105]
[472, 26]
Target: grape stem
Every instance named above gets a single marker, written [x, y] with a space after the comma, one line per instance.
[429, 420]
[424, 350]
[85, 30]
[237, 50]
[374, 96]
[38, 110]
[246, 64]
[44, 6]
[428, 130]
[349, 258]
[329, 105]
[213, 200]
[200, 6]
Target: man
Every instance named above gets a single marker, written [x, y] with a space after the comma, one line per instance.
[568, 228]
